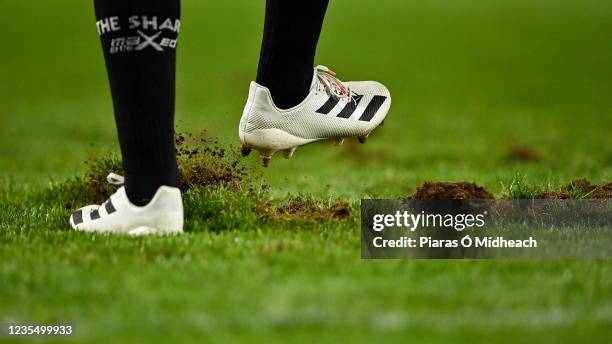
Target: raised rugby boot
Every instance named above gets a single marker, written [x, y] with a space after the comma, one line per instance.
[332, 110]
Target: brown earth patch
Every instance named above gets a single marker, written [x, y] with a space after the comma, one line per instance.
[308, 209]
[451, 190]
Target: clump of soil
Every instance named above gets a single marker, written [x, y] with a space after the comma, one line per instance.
[309, 209]
[522, 154]
[450, 198]
[451, 190]
[579, 188]
[203, 163]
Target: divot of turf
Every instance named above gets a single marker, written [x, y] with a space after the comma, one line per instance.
[306, 208]
[450, 198]
[451, 190]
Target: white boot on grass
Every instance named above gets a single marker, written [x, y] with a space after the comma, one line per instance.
[163, 214]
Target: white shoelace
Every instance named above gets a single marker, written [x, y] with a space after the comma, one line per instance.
[115, 179]
[331, 84]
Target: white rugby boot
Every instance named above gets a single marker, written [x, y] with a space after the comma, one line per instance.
[332, 110]
[163, 214]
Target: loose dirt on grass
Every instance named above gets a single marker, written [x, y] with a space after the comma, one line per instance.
[303, 208]
[203, 163]
[580, 188]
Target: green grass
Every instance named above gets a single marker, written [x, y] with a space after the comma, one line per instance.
[470, 80]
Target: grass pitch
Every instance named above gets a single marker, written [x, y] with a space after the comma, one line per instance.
[474, 82]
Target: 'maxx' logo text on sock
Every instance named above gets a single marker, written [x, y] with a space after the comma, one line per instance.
[146, 32]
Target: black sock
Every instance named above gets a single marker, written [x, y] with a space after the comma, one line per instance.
[139, 42]
[291, 34]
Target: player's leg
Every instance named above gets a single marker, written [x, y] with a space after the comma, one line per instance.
[139, 42]
[291, 34]
[141, 71]
[292, 104]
